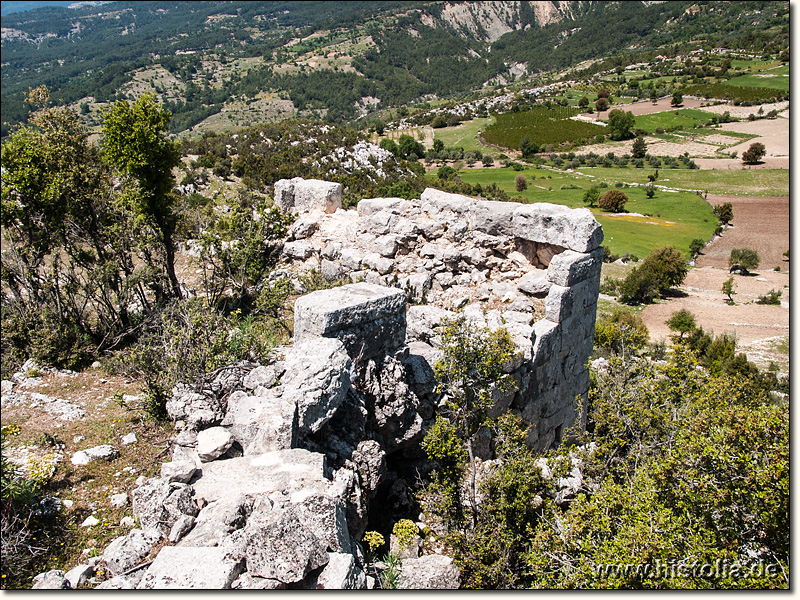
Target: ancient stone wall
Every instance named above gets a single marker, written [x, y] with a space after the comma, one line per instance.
[532, 268]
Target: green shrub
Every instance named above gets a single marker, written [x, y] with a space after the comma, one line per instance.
[612, 201]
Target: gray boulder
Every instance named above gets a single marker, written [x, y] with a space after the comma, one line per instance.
[327, 520]
[129, 550]
[280, 546]
[197, 410]
[157, 504]
[431, 572]
[216, 521]
[341, 573]
[180, 471]
[213, 443]
[316, 381]
[51, 580]
[79, 575]
[189, 568]
[104, 452]
[370, 320]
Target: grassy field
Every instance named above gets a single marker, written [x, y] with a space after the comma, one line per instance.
[771, 79]
[465, 135]
[744, 182]
[684, 118]
[669, 218]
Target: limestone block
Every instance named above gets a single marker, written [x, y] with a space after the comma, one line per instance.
[534, 283]
[493, 217]
[417, 285]
[217, 520]
[77, 576]
[369, 206]
[51, 580]
[299, 250]
[431, 572]
[316, 381]
[189, 568]
[378, 263]
[385, 245]
[264, 375]
[558, 304]
[213, 443]
[546, 340]
[129, 550]
[350, 259]
[562, 302]
[370, 320]
[284, 193]
[573, 228]
[435, 202]
[570, 267]
[313, 195]
[327, 520]
[280, 546]
[331, 270]
[180, 471]
[262, 474]
[303, 228]
[341, 573]
[276, 428]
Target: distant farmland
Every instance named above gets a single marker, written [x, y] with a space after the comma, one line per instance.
[542, 125]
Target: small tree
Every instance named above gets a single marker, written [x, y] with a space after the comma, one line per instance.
[724, 212]
[471, 369]
[650, 191]
[677, 99]
[754, 153]
[591, 195]
[746, 258]
[639, 149]
[653, 95]
[527, 147]
[603, 93]
[583, 102]
[620, 123]
[601, 104]
[696, 246]
[446, 173]
[727, 289]
[663, 269]
[521, 182]
[682, 321]
[612, 201]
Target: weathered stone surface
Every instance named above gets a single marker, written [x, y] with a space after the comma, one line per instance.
[246, 581]
[104, 452]
[276, 428]
[573, 228]
[51, 580]
[119, 583]
[370, 461]
[262, 474]
[341, 573]
[570, 267]
[284, 193]
[157, 504]
[298, 250]
[315, 195]
[197, 410]
[217, 520]
[181, 527]
[436, 202]
[178, 471]
[79, 575]
[316, 380]
[534, 283]
[369, 319]
[326, 518]
[190, 568]
[432, 572]
[280, 546]
[213, 443]
[129, 550]
[493, 217]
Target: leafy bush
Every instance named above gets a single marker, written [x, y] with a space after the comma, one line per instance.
[612, 201]
[621, 332]
[662, 269]
[773, 298]
[746, 258]
[521, 183]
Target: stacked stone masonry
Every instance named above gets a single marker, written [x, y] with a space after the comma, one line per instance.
[532, 268]
[274, 466]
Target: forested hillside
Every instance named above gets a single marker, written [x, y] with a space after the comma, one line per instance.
[334, 58]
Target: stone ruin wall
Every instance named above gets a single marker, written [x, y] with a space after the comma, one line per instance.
[274, 466]
[531, 268]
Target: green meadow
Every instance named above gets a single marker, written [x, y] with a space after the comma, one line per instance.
[464, 135]
[684, 118]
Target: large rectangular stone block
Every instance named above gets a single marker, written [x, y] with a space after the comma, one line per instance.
[570, 267]
[369, 319]
[573, 228]
[493, 217]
